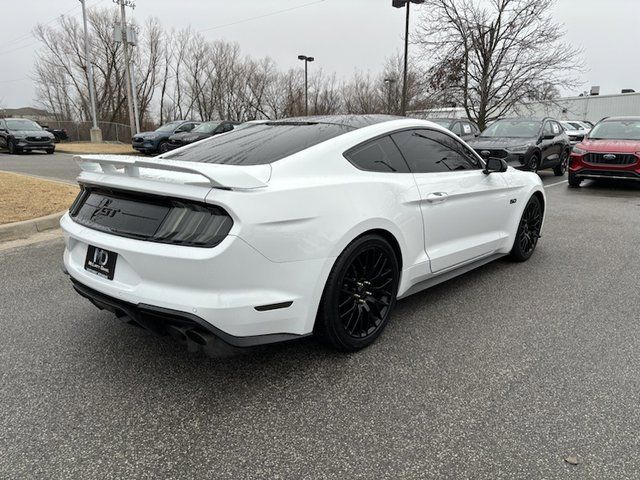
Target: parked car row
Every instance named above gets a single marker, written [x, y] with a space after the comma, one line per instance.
[610, 149]
[178, 134]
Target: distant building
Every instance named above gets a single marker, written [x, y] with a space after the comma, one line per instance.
[590, 107]
[30, 113]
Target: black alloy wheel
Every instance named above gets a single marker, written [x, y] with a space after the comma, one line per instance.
[163, 147]
[528, 231]
[360, 294]
[11, 145]
[534, 164]
[561, 168]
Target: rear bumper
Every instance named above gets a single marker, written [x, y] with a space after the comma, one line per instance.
[159, 320]
[231, 290]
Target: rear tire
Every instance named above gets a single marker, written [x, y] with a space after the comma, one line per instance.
[574, 181]
[359, 295]
[560, 169]
[528, 231]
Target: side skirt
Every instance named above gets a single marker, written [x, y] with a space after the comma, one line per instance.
[449, 274]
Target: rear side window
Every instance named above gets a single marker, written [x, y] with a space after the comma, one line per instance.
[427, 151]
[379, 155]
[259, 144]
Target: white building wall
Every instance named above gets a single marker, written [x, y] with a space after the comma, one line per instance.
[591, 108]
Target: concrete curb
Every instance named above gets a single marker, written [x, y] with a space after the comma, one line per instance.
[17, 230]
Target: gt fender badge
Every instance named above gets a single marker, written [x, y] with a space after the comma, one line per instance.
[513, 200]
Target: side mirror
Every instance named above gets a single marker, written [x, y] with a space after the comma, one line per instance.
[548, 136]
[495, 165]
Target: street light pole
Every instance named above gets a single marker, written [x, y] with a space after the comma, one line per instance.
[96, 134]
[306, 60]
[400, 4]
[389, 82]
[125, 45]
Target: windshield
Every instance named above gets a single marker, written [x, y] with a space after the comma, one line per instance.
[168, 127]
[22, 125]
[207, 127]
[616, 130]
[259, 144]
[513, 129]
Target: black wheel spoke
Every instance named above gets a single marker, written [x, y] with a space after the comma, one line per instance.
[365, 299]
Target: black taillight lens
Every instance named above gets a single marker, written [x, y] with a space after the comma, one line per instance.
[151, 218]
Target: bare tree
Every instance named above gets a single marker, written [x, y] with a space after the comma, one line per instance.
[489, 56]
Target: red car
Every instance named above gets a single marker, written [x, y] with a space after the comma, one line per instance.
[610, 150]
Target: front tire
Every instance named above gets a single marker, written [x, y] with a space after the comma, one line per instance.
[528, 231]
[534, 163]
[11, 145]
[359, 295]
[574, 181]
[163, 147]
[50, 151]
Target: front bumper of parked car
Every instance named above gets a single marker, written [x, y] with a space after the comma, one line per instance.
[144, 145]
[517, 160]
[230, 290]
[594, 166]
[35, 143]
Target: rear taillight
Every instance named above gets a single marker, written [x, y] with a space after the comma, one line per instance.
[151, 218]
[193, 225]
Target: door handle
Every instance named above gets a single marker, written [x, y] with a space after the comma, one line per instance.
[436, 197]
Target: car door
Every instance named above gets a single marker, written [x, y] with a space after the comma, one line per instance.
[551, 143]
[465, 211]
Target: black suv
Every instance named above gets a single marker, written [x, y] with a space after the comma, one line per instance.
[526, 143]
[202, 131]
[158, 140]
[21, 135]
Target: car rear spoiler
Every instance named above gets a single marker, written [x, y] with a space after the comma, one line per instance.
[218, 175]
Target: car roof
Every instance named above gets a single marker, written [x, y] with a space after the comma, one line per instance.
[620, 118]
[352, 121]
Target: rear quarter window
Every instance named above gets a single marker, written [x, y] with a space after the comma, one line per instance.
[260, 144]
[379, 155]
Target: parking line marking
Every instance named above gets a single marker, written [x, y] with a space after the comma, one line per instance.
[557, 183]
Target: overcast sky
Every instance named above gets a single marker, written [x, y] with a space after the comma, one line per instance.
[343, 35]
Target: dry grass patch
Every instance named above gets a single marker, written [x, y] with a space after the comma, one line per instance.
[24, 198]
[88, 147]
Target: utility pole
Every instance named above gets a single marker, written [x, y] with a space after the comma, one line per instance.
[306, 88]
[125, 45]
[400, 4]
[96, 133]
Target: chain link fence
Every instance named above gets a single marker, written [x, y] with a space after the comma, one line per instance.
[81, 131]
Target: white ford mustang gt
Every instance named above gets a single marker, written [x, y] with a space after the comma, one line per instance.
[286, 228]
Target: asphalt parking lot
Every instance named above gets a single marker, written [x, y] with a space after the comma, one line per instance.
[59, 166]
[501, 373]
